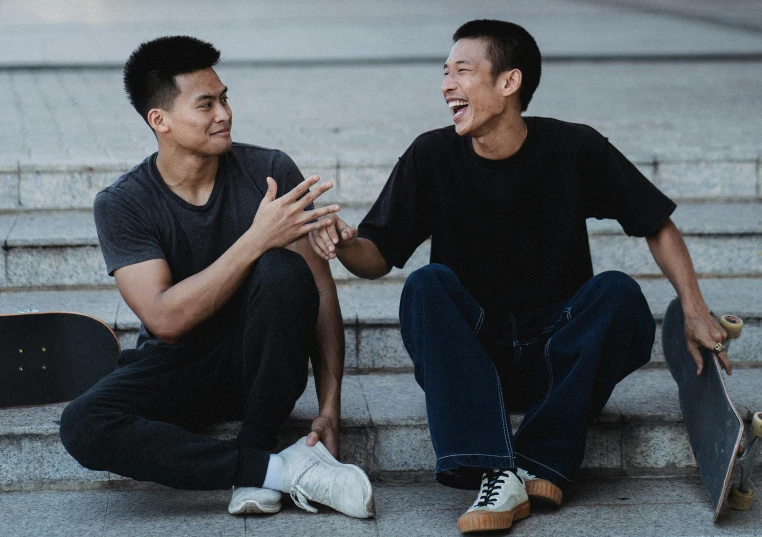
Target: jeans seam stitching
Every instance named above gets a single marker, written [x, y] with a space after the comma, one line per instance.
[544, 466]
[505, 420]
[472, 455]
[479, 322]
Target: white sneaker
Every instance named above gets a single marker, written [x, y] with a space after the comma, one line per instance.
[540, 490]
[311, 473]
[254, 501]
[502, 499]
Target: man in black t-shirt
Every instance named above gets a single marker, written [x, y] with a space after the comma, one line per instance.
[509, 316]
[206, 240]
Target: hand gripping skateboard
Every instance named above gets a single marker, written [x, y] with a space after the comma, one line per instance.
[715, 429]
[52, 357]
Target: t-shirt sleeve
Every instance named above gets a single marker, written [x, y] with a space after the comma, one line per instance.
[286, 173]
[613, 187]
[401, 218]
[125, 234]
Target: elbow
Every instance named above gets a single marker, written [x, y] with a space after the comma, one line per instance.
[166, 330]
[379, 272]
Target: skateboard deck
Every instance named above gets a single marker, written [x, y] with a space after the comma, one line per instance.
[715, 428]
[52, 357]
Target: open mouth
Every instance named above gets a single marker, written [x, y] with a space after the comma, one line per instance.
[458, 109]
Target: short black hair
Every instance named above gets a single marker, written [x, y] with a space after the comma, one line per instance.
[149, 73]
[509, 47]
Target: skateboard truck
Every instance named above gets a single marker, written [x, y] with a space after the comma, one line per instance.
[741, 494]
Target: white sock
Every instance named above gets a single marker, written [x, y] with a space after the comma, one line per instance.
[274, 475]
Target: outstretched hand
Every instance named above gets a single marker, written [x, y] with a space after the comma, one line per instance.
[280, 221]
[703, 330]
[327, 431]
[334, 235]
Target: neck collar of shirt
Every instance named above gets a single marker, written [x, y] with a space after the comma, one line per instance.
[518, 156]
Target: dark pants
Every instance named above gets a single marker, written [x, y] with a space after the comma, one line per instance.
[139, 421]
[559, 365]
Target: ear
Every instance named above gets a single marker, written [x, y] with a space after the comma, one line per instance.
[157, 119]
[510, 82]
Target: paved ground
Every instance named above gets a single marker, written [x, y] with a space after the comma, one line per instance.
[372, 113]
[596, 507]
[49, 32]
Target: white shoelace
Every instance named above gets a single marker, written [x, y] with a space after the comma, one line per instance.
[300, 497]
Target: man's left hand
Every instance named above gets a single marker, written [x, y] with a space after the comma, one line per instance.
[702, 330]
[327, 431]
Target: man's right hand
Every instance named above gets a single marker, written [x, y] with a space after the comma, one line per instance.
[334, 235]
[281, 221]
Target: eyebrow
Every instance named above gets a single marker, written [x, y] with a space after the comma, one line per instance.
[468, 62]
[210, 96]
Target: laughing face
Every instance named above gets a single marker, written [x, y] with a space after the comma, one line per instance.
[474, 96]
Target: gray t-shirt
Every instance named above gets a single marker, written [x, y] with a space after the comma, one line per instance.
[139, 218]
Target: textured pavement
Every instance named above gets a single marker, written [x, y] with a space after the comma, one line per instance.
[82, 32]
[371, 114]
[593, 507]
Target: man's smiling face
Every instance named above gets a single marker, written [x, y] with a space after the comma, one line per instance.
[200, 117]
[470, 90]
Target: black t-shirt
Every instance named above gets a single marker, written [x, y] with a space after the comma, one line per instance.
[513, 230]
[139, 218]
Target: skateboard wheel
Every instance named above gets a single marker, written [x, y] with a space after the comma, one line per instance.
[732, 325]
[756, 425]
[740, 501]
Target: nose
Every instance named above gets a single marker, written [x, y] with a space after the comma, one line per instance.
[448, 84]
[222, 113]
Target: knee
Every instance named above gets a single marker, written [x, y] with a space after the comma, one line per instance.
[623, 295]
[618, 287]
[78, 436]
[287, 275]
[424, 279]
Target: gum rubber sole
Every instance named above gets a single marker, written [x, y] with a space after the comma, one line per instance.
[474, 521]
[545, 492]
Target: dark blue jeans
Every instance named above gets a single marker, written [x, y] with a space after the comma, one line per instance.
[559, 365]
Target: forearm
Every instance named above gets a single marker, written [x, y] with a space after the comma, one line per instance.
[328, 354]
[671, 254]
[363, 259]
[187, 304]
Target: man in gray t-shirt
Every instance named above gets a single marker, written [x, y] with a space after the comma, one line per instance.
[206, 240]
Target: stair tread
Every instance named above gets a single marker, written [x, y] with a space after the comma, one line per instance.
[376, 303]
[76, 227]
[395, 400]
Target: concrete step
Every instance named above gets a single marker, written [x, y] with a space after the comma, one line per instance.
[40, 186]
[371, 322]
[60, 248]
[384, 430]
[358, 127]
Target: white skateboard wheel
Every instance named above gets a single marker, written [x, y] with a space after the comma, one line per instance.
[740, 501]
[756, 425]
[732, 325]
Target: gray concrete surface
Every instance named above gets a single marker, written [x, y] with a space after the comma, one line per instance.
[364, 117]
[384, 430]
[370, 313]
[61, 248]
[45, 32]
[592, 508]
